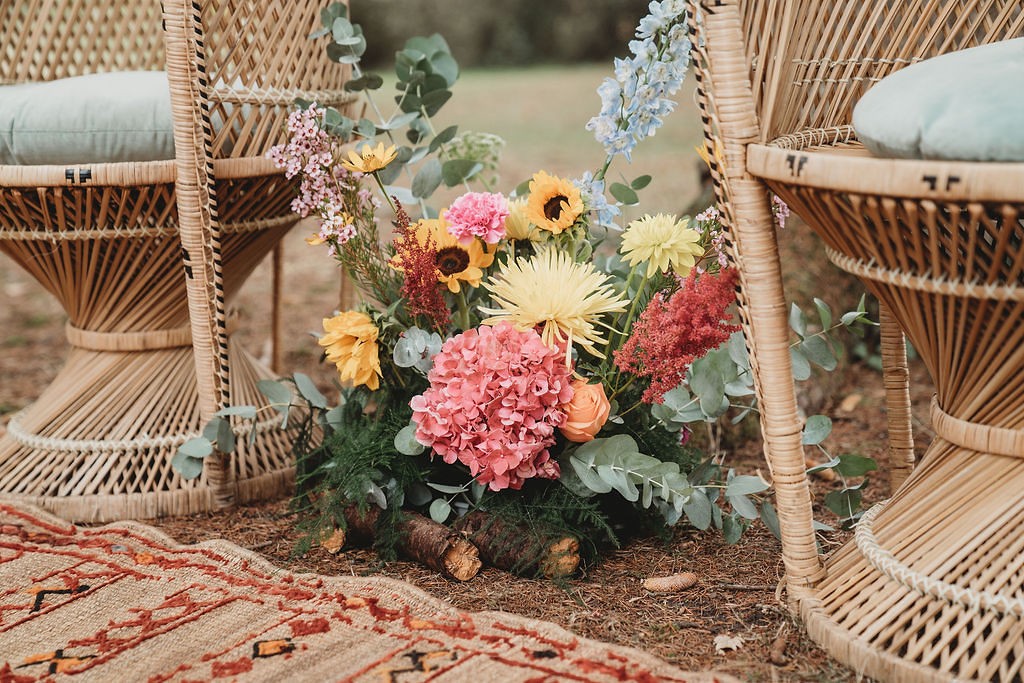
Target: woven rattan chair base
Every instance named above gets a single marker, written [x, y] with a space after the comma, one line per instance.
[932, 588]
[97, 445]
[952, 523]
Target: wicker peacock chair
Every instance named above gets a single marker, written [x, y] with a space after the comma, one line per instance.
[145, 255]
[932, 588]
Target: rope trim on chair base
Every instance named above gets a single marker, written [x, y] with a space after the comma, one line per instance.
[922, 283]
[976, 437]
[142, 443]
[885, 562]
[144, 340]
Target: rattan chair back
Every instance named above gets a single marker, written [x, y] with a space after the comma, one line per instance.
[151, 358]
[931, 588]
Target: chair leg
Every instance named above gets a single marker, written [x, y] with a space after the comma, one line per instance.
[719, 57]
[897, 399]
[276, 324]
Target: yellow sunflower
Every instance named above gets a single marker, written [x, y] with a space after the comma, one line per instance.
[369, 158]
[455, 262]
[555, 203]
[565, 298]
[350, 341]
[662, 241]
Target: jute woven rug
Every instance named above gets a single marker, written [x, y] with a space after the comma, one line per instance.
[124, 602]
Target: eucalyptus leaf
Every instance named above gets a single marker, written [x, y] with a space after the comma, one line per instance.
[816, 430]
[588, 475]
[196, 448]
[418, 494]
[400, 120]
[244, 412]
[444, 137]
[445, 65]
[737, 346]
[771, 519]
[406, 443]
[743, 506]
[824, 313]
[797, 320]
[619, 480]
[456, 171]
[640, 182]
[698, 509]
[389, 174]
[624, 194]
[376, 494]
[279, 395]
[819, 352]
[844, 503]
[427, 179]
[440, 510]
[732, 529]
[309, 391]
[801, 366]
[367, 81]
[433, 101]
[225, 437]
[211, 429]
[187, 466]
[855, 465]
[744, 485]
[335, 417]
[445, 488]
[824, 466]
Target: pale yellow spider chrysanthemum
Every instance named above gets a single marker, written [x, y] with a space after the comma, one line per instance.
[662, 241]
[369, 158]
[564, 298]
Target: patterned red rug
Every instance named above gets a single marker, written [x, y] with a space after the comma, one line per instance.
[124, 602]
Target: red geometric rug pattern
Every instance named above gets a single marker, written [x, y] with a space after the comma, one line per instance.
[124, 602]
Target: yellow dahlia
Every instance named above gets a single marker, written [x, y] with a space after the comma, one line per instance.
[350, 341]
[566, 299]
[662, 241]
[555, 203]
[369, 158]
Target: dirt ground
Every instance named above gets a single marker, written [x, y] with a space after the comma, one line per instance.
[737, 593]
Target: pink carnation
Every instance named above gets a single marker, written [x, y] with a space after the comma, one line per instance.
[478, 214]
[496, 397]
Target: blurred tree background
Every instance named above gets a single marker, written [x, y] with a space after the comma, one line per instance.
[503, 33]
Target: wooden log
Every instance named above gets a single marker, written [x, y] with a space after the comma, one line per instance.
[512, 548]
[423, 540]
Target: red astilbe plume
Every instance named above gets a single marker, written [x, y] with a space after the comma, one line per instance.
[669, 335]
[416, 258]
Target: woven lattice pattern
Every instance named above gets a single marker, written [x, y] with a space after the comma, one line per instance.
[813, 60]
[42, 40]
[246, 44]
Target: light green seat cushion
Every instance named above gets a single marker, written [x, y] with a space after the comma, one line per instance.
[107, 117]
[966, 105]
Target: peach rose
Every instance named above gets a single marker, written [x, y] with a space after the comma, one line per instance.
[587, 411]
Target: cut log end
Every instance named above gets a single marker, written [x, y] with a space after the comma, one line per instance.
[462, 560]
[561, 559]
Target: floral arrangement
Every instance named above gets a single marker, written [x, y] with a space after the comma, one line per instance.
[518, 353]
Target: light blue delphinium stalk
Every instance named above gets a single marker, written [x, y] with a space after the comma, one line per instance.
[635, 102]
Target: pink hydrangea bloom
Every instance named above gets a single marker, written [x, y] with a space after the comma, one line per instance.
[496, 397]
[478, 214]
